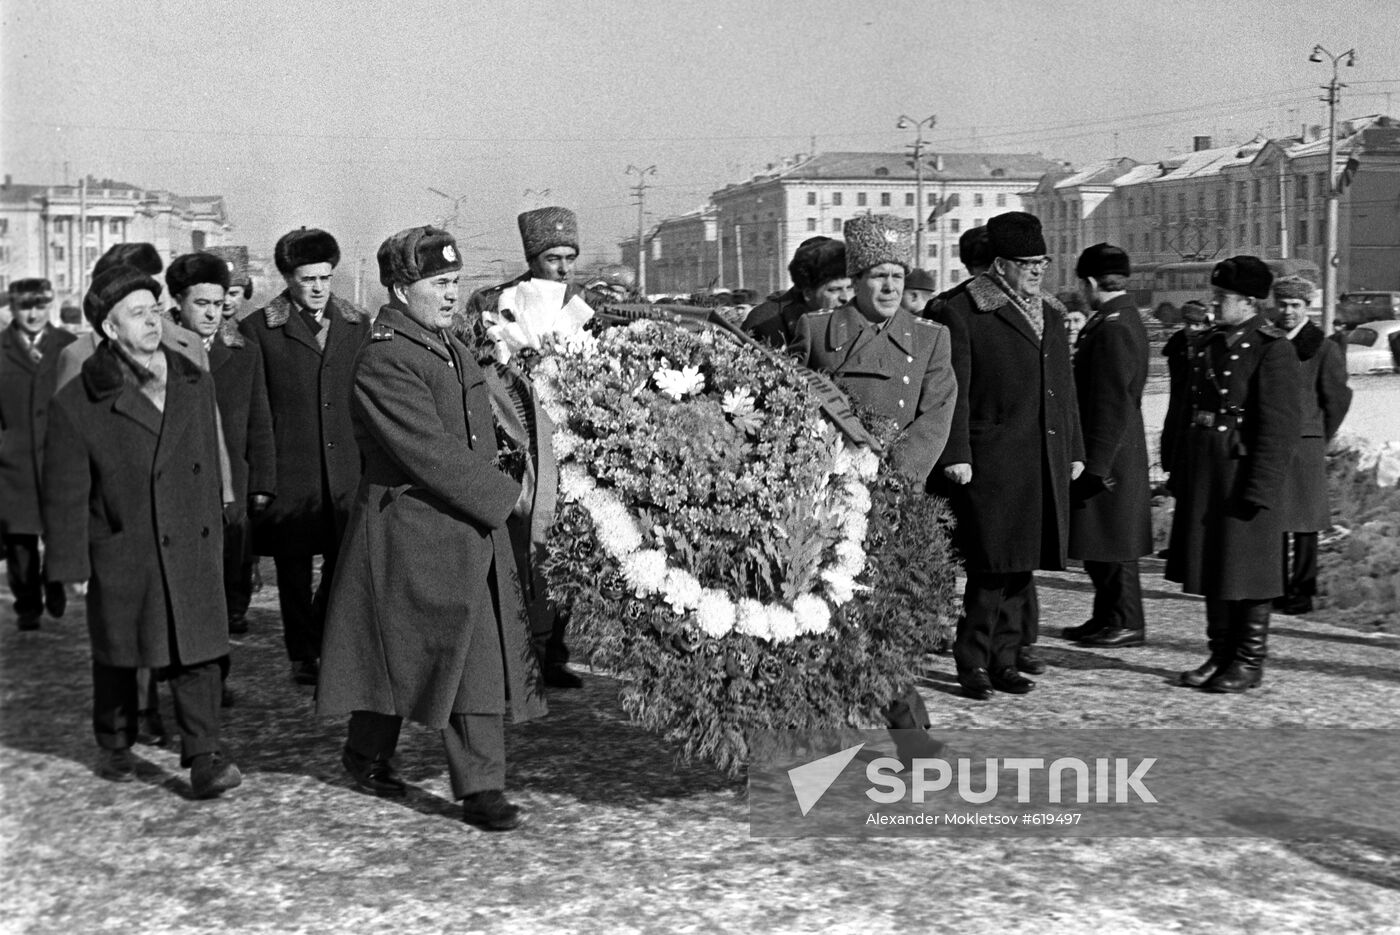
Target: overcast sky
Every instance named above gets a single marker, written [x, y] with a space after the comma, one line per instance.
[343, 115]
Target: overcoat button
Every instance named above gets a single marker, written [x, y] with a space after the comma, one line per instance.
[196, 468]
[164, 540]
[906, 378]
[909, 359]
[1052, 431]
[901, 404]
[204, 533]
[1225, 372]
[330, 444]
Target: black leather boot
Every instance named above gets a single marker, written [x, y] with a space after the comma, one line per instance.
[1251, 647]
[1218, 641]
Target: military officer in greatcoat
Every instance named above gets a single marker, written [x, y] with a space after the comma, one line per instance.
[308, 338]
[29, 349]
[1240, 424]
[425, 618]
[1014, 447]
[544, 299]
[1111, 515]
[819, 283]
[1325, 399]
[890, 361]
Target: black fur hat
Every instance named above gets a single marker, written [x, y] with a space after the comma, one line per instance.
[30, 293]
[193, 269]
[111, 286]
[417, 253]
[1243, 275]
[973, 249]
[1015, 234]
[304, 247]
[138, 255]
[817, 260]
[1103, 259]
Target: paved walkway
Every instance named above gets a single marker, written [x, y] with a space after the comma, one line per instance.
[621, 840]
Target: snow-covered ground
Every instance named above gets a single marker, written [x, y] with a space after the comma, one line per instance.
[1375, 407]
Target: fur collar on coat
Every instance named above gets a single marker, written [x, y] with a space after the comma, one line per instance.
[280, 309]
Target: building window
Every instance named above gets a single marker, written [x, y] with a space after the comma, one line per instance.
[1239, 236]
[1303, 189]
[4, 226]
[836, 225]
[955, 275]
[884, 199]
[908, 199]
[933, 250]
[811, 198]
[58, 253]
[978, 222]
[1321, 230]
[1220, 199]
[932, 199]
[1258, 233]
[954, 225]
[836, 199]
[114, 226]
[1001, 201]
[1302, 233]
[60, 225]
[811, 224]
[61, 281]
[977, 200]
[91, 253]
[1240, 192]
[860, 199]
[1258, 191]
[1322, 187]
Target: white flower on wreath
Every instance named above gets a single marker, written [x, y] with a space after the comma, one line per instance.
[812, 613]
[858, 497]
[850, 558]
[575, 483]
[867, 464]
[681, 590]
[751, 619]
[839, 585]
[715, 613]
[678, 384]
[782, 623]
[854, 526]
[565, 443]
[645, 571]
[738, 401]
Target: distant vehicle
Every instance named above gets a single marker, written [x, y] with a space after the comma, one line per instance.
[1174, 284]
[1356, 308]
[1368, 347]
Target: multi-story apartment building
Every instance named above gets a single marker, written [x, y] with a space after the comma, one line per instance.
[59, 231]
[747, 234]
[1265, 197]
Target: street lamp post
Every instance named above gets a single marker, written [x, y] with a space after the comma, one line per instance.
[1334, 91]
[904, 123]
[642, 174]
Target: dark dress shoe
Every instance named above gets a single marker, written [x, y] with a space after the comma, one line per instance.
[976, 683]
[29, 622]
[237, 626]
[1010, 681]
[559, 676]
[150, 729]
[1293, 606]
[1082, 632]
[1028, 660]
[306, 672]
[491, 811]
[55, 599]
[212, 774]
[377, 777]
[116, 766]
[1116, 636]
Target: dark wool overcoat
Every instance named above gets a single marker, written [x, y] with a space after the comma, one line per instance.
[308, 391]
[240, 387]
[774, 322]
[425, 613]
[1110, 370]
[1239, 426]
[25, 392]
[902, 371]
[132, 505]
[1323, 404]
[1017, 424]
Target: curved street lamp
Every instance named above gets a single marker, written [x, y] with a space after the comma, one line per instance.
[1331, 261]
[906, 122]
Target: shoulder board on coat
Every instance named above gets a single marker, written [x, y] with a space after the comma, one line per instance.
[381, 333]
[930, 324]
[1272, 332]
[1111, 316]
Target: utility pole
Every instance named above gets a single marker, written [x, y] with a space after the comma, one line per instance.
[1332, 261]
[641, 190]
[904, 123]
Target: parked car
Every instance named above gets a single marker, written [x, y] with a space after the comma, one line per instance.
[1369, 347]
[1357, 308]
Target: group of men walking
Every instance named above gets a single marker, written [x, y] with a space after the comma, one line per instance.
[1041, 447]
[158, 456]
